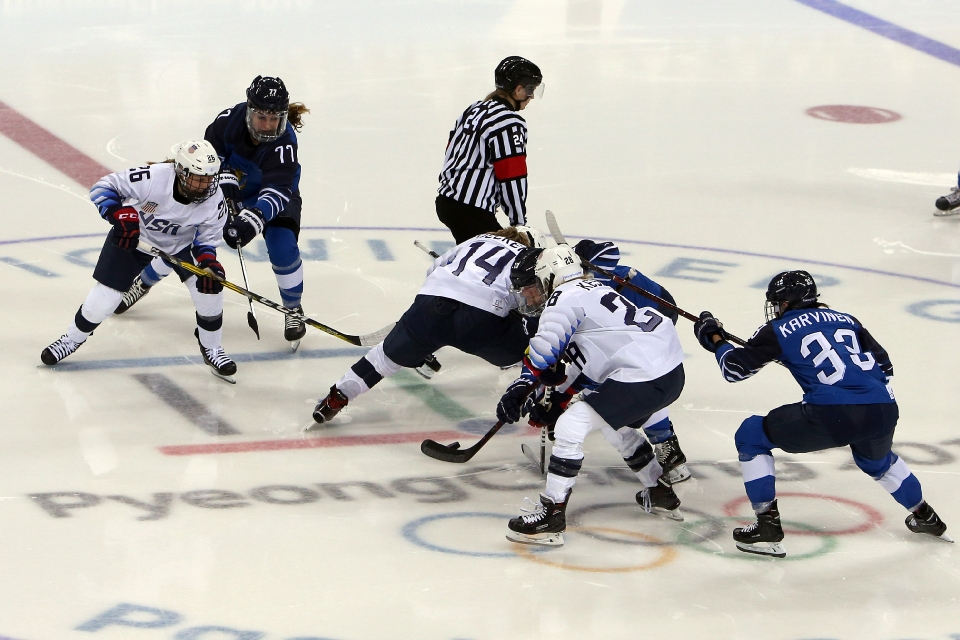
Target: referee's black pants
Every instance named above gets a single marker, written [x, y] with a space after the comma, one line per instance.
[465, 220]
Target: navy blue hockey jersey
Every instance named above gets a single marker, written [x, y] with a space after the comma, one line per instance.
[269, 173]
[830, 354]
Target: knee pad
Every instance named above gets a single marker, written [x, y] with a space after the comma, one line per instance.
[572, 429]
[875, 468]
[208, 305]
[382, 364]
[751, 440]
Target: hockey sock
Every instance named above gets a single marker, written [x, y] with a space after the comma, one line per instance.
[154, 272]
[659, 431]
[557, 485]
[757, 464]
[209, 308]
[210, 330]
[367, 372]
[99, 305]
[290, 282]
[895, 476]
[643, 462]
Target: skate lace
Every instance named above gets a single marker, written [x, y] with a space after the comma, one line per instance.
[647, 503]
[217, 356]
[750, 528]
[664, 450]
[134, 293]
[292, 322]
[537, 512]
[63, 347]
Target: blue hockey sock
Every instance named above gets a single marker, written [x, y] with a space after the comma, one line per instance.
[895, 476]
[660, 431]
[756, 462]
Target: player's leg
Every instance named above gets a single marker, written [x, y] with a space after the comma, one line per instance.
[660, 433]
[875, 458]
[500, 341]
[755, 450]
[657, 495]
[209, 331]
[151, 275]
[545, 525]
[284, 255]
[414, 337]
[115, 271]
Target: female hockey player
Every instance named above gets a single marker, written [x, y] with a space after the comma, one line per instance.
[628, 361]
[485, 165]
[847, 401]
[257, 143]
[176, 206]
[659, 428]
[464, 303]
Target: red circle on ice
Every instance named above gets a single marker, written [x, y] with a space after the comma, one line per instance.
[853, 114]
[873, 517]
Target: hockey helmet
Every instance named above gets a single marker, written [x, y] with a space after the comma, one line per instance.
[537, 272]
[267, 104]
[516, 71]
[795, 288]
[534, 237]
[198, 169]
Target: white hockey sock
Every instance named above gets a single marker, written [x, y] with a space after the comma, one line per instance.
[99, 305]
[210, 339]
[558, 487]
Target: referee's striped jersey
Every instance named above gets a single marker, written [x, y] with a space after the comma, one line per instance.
[486, 160]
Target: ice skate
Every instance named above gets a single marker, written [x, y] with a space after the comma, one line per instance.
[660, 500]
[219, 362]
[294, 328]
[136, 291]
[330, 406]
[59, 350]
[428, 367]
[544, 525]
[948, 205]
[672, 460]
[763, 537]
[925, 520]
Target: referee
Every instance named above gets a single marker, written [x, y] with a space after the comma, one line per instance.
[485, 165]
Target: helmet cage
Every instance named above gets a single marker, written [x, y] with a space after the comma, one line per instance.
[198, 170]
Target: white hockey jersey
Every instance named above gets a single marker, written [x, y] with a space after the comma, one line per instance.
[477, 273]
[164, 222]
[605, 335]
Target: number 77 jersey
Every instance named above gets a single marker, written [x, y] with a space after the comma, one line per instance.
[604, 335]
[830, 354]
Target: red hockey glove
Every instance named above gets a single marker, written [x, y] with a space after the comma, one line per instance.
[126, 227]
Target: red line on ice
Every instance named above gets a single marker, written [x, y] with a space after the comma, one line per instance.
[56, 152]
[310, 443]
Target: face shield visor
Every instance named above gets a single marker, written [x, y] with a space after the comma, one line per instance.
[530, 299]
[266, 126]
[534, 90]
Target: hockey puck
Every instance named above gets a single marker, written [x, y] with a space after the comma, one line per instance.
[453, 445]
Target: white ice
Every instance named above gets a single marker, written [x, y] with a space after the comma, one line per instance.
[678, 128]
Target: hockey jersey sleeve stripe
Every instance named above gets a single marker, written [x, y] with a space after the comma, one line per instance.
[556, 328]
[106, 198]
[606, 255]
[510, 168]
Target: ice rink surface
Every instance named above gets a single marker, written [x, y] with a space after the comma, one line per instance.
[168, 504]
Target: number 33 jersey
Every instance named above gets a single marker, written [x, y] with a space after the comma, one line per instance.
[604, 335]
[477, 273]
[164, 222]
[830, 354]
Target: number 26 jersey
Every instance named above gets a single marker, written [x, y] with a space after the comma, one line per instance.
[604, 335]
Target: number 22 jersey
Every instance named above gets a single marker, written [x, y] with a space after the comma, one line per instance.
[830, 354]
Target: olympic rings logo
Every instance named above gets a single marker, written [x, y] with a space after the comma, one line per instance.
[698, 534]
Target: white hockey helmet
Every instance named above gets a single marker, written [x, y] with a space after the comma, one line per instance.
[537, 272]
[198, 169]
[535, 237]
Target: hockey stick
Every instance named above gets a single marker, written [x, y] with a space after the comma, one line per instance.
[559, 239]
[368, 340]
[453, 452]
[433, 254]
[251, 315]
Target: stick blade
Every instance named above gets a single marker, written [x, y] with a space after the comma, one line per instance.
[375, 338]
[554, 228]
[445, 453]
[252, 322]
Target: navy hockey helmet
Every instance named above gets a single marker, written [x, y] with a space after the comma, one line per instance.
[516, 71]
[796, 288]
[267, 104]
[525, 285]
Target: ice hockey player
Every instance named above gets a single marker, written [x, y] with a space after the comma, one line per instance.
[257, 144]
[847, 401]
[949, 205]
[659, 428]
[628, 360]
[175, 206]
[485, 165]
[464, 303]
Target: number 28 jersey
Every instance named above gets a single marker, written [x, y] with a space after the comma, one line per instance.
[604, 335]
[830, 354]
[477, 273]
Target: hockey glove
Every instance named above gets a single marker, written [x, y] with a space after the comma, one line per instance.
[209, 285]
[244, 227]
[707, 327]
[546, 412]
[511, 403]
[551, 377]
[230, 186]
[126, 227]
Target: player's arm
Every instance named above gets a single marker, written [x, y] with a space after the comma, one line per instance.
[868, 343]
[508, 150]
[605, 255]
[279, 169]
[205, 242]
[558, 323]
[215, 132]
[737, 365]
[109, 193]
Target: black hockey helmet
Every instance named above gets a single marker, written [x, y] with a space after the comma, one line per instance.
[523, 274]
[267, 96]
[796, 288]
[514, 71]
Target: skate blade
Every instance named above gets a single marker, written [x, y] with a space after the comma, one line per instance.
[947, 213]
[945, 537]
[527, 451]
[542, 539]
[294, 345]
[425, 372]
[678, 474]
[774, 549]
[674, 515]
[229, 379]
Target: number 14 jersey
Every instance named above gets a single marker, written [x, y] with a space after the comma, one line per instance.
[830, 354]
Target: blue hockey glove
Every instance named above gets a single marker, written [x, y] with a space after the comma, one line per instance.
[243, 227]
[511, 403]
[707, 327]
[546, 412]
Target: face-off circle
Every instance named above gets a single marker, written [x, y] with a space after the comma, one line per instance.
[853, 114]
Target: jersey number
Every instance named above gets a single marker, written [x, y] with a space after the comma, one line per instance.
[493, 270]
[138, 174]
[828, 354]
[653, 319]
[280, 149]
